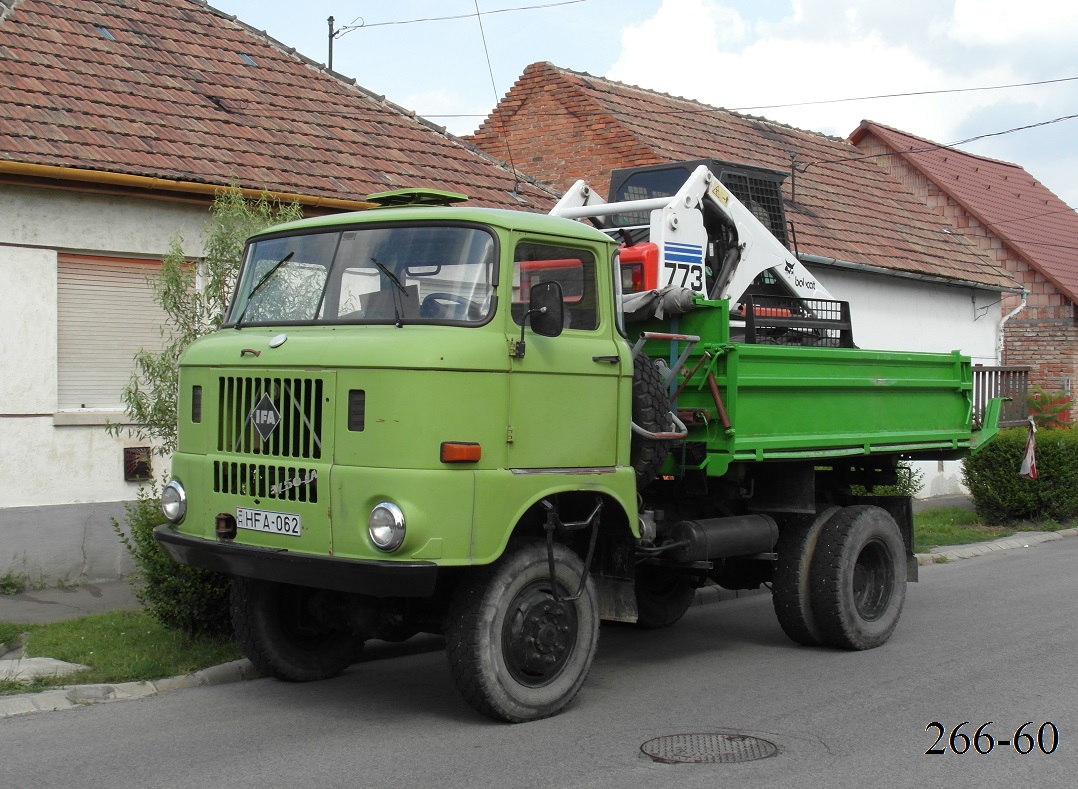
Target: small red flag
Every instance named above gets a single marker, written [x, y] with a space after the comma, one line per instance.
[1029, 460]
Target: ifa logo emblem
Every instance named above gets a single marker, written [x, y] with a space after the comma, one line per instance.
[265, 417]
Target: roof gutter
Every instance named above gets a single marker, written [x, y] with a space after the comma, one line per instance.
[869, 269]
[142, 182]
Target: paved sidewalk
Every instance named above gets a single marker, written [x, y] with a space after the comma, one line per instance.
[43, 606]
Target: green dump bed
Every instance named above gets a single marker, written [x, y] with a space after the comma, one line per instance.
[792, 402]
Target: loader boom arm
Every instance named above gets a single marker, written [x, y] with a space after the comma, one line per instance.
[677, 227]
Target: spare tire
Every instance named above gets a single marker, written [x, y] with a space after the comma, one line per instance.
[651, 408]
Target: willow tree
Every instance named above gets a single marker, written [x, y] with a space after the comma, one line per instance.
[194, 296]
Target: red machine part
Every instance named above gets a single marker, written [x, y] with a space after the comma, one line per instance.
[639, 267]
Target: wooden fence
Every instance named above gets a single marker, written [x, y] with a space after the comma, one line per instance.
[1012, 382]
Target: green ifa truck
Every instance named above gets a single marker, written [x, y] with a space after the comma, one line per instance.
[504, 427]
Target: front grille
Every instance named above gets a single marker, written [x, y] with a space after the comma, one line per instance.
[261, 480]
[298, 429]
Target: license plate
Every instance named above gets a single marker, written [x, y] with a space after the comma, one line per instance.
[267, 521]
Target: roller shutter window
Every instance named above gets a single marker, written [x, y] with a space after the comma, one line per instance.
[106, 313]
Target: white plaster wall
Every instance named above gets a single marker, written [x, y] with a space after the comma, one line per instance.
[60, 484]
[896, 314]
[27, 334]
[42, 463]
[98, 224]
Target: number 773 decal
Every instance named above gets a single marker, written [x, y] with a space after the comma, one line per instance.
[683, 266]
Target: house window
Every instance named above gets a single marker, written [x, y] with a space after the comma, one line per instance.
[105, 313]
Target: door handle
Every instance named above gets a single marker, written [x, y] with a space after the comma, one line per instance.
[610, 359]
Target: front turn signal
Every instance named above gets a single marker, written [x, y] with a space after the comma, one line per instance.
[460, 452]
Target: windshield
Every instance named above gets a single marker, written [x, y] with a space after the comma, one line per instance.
[405, 274]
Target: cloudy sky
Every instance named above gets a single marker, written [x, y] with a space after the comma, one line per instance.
[793, 61]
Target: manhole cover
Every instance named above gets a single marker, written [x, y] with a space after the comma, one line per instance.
[708, 748]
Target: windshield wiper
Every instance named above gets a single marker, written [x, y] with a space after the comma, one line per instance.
[264, 279]
[395, 281]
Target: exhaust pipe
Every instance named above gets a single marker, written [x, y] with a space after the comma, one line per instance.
[716, 538]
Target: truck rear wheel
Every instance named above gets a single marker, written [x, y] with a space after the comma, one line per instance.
[662, 596]
[859, 578]
[294, 633]
[790, 583]
[517, 654]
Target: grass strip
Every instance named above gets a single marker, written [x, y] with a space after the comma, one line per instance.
[959, 526]
[9, 633]
[122, 646]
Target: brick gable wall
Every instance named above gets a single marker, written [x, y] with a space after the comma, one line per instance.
[1044, 335]
[556, 135]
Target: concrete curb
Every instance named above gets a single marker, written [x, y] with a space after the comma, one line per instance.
[81, 695]
[1019, 540]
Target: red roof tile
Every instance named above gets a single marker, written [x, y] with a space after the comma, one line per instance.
[1016, 207]
[565, 125]
[172, 98]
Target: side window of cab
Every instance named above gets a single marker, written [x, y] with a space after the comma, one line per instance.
[573, 269]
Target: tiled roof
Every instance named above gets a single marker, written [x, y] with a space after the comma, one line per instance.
[842, 206]
[1016, 207]
[176, 90]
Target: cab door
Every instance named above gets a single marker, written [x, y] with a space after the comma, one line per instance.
[564, 392]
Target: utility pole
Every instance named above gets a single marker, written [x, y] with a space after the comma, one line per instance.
[331, 32]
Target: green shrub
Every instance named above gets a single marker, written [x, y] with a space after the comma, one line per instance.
[1000, 495]
[910, 481]
[10, 635]
[176, 595]
[13, 583]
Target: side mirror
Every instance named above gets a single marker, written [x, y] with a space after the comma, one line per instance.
[546, 309]
[546, 312]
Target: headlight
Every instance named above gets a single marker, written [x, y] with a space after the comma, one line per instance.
[386, 526]
[174, 502]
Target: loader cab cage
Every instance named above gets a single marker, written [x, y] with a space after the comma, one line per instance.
[777, 320]
[759, 188]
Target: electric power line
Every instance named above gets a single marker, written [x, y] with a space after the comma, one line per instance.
[704, 110]
[494, 87]
[905, 95]
[1066, 210]
[801, 168]
[353, 27]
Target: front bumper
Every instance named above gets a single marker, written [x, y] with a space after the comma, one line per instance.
[374, 578]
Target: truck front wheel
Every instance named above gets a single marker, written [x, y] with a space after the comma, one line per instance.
[516, 653]
[859, 578]
[294, 633]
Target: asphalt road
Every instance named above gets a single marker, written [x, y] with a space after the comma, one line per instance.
[986, 639]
